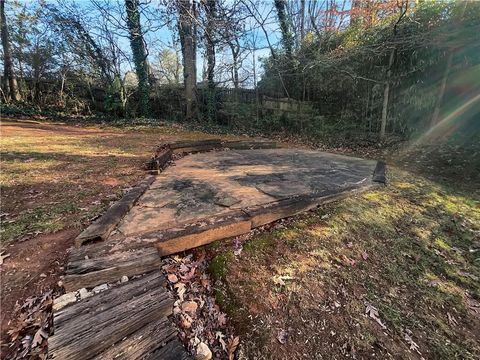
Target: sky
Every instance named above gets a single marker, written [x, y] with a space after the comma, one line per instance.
[159, 36]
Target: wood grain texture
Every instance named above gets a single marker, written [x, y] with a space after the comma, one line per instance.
[264, 214]
[105, 320]
[174, 350]
[92, 272]
[108, 299]
[161, 160]
[201, 232]
[379, 174]
[194, 143]
[144, 342]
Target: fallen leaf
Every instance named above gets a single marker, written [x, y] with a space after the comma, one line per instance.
[205, 283]
[186, 321]
[221, 319]
[180, 290]
[364, 255]
[3, 256]
[451, 319]
[183, 268]
[282, 336]
[232, 346]
[280, 280]
[372, 311]
[413, 344]
[219, 336]
[348, 261]
[189, 275]
[189, 306]
[172, 278]
[40, 335]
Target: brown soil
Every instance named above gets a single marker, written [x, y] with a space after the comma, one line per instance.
[34, 266]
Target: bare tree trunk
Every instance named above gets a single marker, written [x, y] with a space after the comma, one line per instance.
[7, 57]
[62, 87]
[302, 21]
[187, 37]
[235, 49]
[257, 100]
[210, 8]
[139, 55]
[386, 92]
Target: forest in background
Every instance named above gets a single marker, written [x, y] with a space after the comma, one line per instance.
[360, 70]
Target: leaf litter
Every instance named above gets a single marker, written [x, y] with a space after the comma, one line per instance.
[200, 320]
[30, 328]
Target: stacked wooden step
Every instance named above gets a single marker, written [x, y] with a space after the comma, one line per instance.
[107, 262]
[128, 321]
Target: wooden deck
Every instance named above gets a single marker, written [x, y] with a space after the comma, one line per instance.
[196, 202]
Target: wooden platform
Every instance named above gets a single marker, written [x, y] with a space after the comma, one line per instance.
[203, 198]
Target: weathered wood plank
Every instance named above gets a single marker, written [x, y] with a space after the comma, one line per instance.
[88, 335]
[200, 232]
[174, 350]
[196, 149]
[103, 226]
[108, 299]
[245, 145]
[161, 160]
[115, 244]
[194, 143]
[379, 174]
[143, 343]
[264, 214]
[92, 272]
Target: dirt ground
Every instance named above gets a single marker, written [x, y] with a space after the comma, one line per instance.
[55, 179]
[392, 273]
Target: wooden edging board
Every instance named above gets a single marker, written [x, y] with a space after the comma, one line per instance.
[103, 226]
[166, 152]
[207, 230]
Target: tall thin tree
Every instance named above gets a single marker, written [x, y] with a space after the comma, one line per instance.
[9, 74]
[139, 52]
[210, 10]
[403, 7]
[186, 29]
